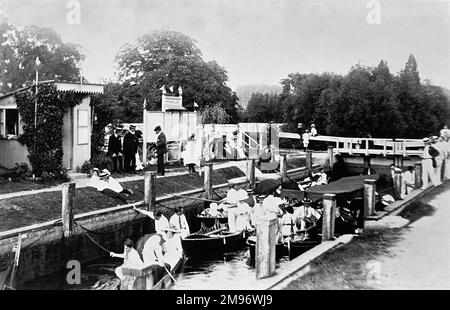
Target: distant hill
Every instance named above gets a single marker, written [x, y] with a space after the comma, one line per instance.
[244, 92]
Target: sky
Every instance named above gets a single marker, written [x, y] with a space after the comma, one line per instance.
[257, 41]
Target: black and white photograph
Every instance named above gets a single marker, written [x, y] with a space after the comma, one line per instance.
[236, 147]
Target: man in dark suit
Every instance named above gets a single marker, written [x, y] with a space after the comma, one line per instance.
[130, 143]
[161, 149]
[115, 150]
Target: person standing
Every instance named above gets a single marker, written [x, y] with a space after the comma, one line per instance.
[161, 221]
[130, 143]
[190, 155]
[161, 149]
[427, 166]
[115, 151]
[313, 130]
[179, 222]
[408, 181]
[440, 145]
[305, 138]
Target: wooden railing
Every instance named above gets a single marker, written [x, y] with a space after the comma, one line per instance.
[368, 146]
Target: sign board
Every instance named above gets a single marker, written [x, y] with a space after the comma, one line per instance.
[172, 103]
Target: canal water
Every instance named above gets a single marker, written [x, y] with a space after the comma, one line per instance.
[226, 271]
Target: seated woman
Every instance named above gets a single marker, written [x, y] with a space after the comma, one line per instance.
[94, 181]
[110, 187]
[130, 257]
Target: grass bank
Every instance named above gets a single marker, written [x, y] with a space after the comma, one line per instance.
[32, 209]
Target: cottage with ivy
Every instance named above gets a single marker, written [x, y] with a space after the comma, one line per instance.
[50, 131]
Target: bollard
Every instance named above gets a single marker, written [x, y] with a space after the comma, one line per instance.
[330, 157]
[418, 175]
[328, 216]
[309, 160]
[150, 190]
[208, 182]
[68, 192]
[283, 167]
[266, 237]
[369, 197]
[250, 172]
[398, 185]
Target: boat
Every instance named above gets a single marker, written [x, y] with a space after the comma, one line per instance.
[291, 248]
[161, 277]
[213, 240]
[211, 220]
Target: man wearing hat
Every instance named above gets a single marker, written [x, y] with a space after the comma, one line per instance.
[130, 144]
[161, 149]
[313, 130]
[115, 150]
[427, 166]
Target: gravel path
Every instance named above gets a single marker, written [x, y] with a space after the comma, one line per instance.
[421, 260]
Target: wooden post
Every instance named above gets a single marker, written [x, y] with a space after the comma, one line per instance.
[418, 175]
[309, 160]
[250, 172]
[266, 238]
[330, 157]
[369, 197]
[398, 185]
[150, 190]
[207, 181]
[328, 216]
[283, 167]
[137, 278]
[68, 191]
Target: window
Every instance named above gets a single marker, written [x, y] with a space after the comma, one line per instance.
[9, 122]
[83, 127]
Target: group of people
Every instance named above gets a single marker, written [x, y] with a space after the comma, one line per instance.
[436, 158]
[162, 248]
[122, 148]
[305, 134]
[103, 182]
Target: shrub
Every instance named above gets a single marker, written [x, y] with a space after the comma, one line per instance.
[19, 172]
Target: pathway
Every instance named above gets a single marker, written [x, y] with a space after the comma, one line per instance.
[421, 260]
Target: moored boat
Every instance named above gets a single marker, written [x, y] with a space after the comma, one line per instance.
[213, 240]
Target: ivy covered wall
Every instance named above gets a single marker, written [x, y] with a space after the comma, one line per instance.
[45, 141]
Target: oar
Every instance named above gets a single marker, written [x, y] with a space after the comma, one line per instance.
[170, 274]
[195, 198]
[215, 231]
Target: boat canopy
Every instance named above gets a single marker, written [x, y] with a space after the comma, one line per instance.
[347, 185]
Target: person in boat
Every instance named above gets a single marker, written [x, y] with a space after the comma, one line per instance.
[152, 252]
[243, 211]
[178, 220]
[130, 257]
[110, 187]
[231, 196]
[322, 177]
[305, 215]
[257, 210]
[288, 223]
[159, 218]
[172, 249]
[212, 210]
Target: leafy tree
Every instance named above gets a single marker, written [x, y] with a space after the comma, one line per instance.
[20, 47]
[263, 108]
[214, 114]
[172, 59]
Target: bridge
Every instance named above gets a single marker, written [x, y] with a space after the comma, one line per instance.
[368, 146]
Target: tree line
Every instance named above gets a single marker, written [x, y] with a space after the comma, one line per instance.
[367, 100]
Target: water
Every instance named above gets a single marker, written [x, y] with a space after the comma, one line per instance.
[227, 271]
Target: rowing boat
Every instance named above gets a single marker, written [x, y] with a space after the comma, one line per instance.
[213, 240]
